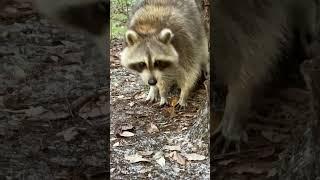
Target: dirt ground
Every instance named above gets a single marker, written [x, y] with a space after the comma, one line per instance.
[278, 121]
[53, 107]
[157, 145]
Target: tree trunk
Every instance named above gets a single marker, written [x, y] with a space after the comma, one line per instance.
[199, 131]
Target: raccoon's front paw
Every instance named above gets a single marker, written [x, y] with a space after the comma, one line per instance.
[153, 95]
[182, 104]
[152, 98]
[163, 102]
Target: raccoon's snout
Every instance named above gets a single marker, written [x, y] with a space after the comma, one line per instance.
[152, 81]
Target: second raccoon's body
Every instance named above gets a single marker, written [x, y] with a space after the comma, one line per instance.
[251, 39]
[167, 44]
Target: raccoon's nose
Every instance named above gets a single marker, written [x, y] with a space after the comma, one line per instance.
[152, 81]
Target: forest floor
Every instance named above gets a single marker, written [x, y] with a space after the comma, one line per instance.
[53, 107]
[278, 121]
[149, 142]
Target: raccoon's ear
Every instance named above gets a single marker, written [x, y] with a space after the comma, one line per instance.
[166, 35]
[131, 37]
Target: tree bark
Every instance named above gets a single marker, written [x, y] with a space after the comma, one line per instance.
[199, 130]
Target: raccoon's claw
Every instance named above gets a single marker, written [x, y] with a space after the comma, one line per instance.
[163, 102]
[181, 105]
[151, 99]
[222, 144]
[152, 95]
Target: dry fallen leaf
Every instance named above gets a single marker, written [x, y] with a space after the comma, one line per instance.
[183, 129]
[159, 158]
[54, 116]
[145, 153]
[145, 170]
[131, 104]
[170, 112]
[176, 169]
[124, 130]
[172, 148]
[267, 152]
[54, 58]
[35, 111]
[127, 127]
[177, 157]
[135, 158]
[140, 95]
[194, 157]
[157, 155]
[116, 144]
[19, 73]
[174, 101]
[161, 161]
[112, 169]
[68, 134]
[226, 162]
[153, 129]
[121, 96]
[126, 134]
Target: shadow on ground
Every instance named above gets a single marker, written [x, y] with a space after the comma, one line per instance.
[53, 108]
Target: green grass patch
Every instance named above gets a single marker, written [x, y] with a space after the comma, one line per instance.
[119, 17]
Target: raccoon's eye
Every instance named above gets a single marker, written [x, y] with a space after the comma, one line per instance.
[161, 65]
[142, 65]
[139, 67]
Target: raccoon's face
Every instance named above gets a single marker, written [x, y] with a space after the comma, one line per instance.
[154, 58]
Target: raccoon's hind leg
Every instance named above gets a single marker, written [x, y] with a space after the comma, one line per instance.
[231, 131]
[153, 94]
[238, 104]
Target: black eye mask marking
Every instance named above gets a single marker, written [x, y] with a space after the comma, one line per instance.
[162, 64]
[139, 67]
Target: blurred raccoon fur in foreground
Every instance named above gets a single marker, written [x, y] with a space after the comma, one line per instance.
[251, 39]
[87, 15]
[166, 44]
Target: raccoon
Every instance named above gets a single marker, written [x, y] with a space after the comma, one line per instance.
[166, 44]
[88, 15]
[250, 39]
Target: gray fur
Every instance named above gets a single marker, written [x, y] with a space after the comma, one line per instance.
[250, 37]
